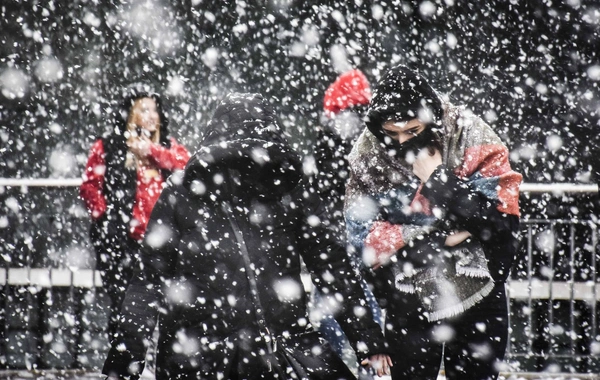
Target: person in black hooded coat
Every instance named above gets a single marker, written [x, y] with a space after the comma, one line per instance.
[244, 179]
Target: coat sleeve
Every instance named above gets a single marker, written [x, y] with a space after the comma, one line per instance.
[377, 232]
[328, 262]
[91, 189]
[173, 158]
[473, 211]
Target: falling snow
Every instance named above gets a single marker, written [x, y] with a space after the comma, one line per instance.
[531, 69]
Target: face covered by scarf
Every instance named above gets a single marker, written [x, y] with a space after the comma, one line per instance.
[429, 138]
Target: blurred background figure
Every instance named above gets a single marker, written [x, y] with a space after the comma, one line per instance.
[124, 176]
[344, 104]
[432, 209]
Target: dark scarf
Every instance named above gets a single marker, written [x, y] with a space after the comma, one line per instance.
[428, 138]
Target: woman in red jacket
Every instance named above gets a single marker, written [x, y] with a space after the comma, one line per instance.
[123, 178]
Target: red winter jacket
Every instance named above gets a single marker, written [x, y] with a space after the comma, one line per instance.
[148, 188]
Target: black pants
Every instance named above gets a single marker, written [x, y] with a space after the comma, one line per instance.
[139, 312]
[474, 342]
[117, 262]
[245, 359]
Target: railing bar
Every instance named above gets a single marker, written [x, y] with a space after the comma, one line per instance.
[594, 280]
[40, 182]
[558, 188]
[6, 295]
[553, 188]
[560, 356]
[550, 290]
[553, 221]
[510, 329]
[572, 334]
[530, 297]
[29, 296]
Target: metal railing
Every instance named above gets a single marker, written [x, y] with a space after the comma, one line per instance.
[525, 187]
[554, 292]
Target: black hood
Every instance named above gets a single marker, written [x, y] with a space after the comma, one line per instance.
[244, 152]
[400, 95]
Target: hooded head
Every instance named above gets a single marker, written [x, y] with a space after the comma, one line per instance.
[130, 96]
[241, 116]
[403, 95]
[244, 152]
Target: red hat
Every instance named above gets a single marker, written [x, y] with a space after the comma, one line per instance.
[349, 90]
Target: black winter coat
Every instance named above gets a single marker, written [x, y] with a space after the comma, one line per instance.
[193, 261]
[331, 161]
[333, 143]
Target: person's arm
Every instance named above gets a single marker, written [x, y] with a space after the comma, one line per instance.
[377, 232]
[472, 211]
[173, 158]
[462, 204]
[91, 189]
[327, 261]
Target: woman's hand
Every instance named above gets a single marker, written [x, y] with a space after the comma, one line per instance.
[380, 363]
[426, 163]
[456, 238]
[140, 146]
